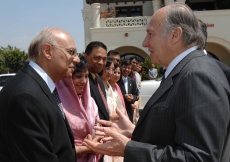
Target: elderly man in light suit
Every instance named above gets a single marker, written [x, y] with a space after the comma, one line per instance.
[187, 118]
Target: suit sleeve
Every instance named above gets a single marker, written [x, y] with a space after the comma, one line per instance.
[27, 127]
[201, 110]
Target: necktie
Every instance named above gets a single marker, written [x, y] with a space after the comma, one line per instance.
[58, 100]
[125, 84]
[101, 93]
[163, 79]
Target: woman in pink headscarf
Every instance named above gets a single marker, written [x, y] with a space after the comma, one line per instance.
[80, 109]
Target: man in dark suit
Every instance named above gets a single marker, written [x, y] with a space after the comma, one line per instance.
[187, 118]
[32, 126]
[128, 88]
[96, 55]
[225, 68]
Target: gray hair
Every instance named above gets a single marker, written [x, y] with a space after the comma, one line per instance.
[180, 15]
[35, 48]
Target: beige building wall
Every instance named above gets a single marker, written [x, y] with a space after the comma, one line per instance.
[114, 37]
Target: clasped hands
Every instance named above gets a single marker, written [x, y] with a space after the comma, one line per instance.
[115, 136]
[129, 97]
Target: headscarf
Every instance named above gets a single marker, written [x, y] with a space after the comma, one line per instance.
[81, 112]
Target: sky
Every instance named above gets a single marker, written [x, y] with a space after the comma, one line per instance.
[22, 20]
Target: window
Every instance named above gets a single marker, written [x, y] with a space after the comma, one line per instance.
[4, 79]
[202, 6]
[130, 11]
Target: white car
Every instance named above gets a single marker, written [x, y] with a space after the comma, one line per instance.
[4, 78]
[148, 87]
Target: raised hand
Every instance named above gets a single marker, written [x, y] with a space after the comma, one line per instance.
[115, 147]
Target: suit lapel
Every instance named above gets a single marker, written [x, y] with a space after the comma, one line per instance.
[168, 83]
[129, 85]
[30, 71]
[97, 95]
[122, 86]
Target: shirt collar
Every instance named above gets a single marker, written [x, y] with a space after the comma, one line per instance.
[124, 77]
[178, 59]
[93, 75]
[44, 75]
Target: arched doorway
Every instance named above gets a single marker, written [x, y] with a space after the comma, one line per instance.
[220, 51]
[219, 47]
[129, 51]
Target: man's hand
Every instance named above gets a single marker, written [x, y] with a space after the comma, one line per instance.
[122, 125]
[115, 147]
[129, 97]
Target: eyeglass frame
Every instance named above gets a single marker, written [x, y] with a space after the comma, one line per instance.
[108, 69]
[70, 51]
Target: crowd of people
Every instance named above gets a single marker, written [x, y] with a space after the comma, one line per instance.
[65, 107]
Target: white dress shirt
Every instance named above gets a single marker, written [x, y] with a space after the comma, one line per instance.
[125, 81]
[178, 59]
[44, 76]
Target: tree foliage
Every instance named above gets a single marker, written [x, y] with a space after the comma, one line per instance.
[147, 64]
[11, 59]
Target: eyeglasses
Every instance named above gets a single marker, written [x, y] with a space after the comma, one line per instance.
[133, 62]
[108, 69]
[117, 60]
[70, 51]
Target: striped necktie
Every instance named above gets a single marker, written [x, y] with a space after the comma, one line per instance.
[58, 100]
[101, 93]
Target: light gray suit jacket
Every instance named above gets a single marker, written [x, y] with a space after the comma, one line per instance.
[187, 118]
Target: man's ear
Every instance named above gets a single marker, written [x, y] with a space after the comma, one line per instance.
[176, 35]
[47, 51]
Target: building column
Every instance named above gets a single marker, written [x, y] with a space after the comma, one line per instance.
[156, 5]
[181, 1]
[168, 2]
[96, 14]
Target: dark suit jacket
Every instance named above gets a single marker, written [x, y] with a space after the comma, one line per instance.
[187, 118]
[132, 89]
[225, 68]
[95, 94]
[32, 128]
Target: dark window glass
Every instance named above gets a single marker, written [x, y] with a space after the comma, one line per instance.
[4, 79]
[130, 11]
[202, 6]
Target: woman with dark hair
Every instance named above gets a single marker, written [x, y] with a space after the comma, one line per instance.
[80, 109]
[110, 75]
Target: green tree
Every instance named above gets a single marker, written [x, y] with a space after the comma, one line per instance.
[147, 64]
[11, 59]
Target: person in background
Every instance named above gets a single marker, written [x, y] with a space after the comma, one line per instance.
[113, 100]
[119, 100]
[115, 55]
[188, 117]
[96, 57]
[80, 109]
[153, 72]
[139, 69]
[32, 123]
[136, 77]
[128, 88]
[225, 68]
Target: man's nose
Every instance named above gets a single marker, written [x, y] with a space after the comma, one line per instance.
[76, 60]
[145, 42]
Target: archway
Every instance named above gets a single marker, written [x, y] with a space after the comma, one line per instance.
[128, 51]
[219, 47]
